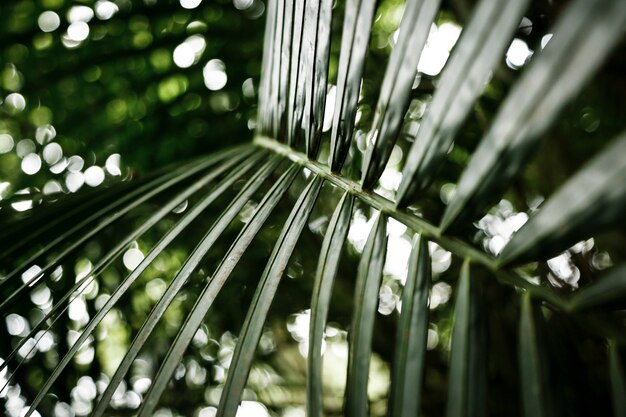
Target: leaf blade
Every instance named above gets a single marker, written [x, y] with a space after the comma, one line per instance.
[476, 54]
[409, 357]
[583, 37]
[354, 41]
[535, 398]
[395, 93]
[263, 297]
[185, 271]
[571, 215]
[467, 386]
[367, 287]
[618, 380]
[320, 300]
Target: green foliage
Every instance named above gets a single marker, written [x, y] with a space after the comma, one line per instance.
[199, 220]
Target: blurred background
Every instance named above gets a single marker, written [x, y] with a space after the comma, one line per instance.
[95, 93]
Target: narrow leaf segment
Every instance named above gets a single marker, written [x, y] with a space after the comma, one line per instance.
[408, 367]
[369, 275]
[330, 255]
[263, 297]
[468, 367]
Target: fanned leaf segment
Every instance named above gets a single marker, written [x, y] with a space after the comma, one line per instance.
[320, 301]
[411, 341]
[297, 64]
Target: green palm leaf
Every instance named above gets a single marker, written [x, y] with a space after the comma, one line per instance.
[403, 143]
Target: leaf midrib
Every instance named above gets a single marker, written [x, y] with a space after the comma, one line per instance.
[457, 246]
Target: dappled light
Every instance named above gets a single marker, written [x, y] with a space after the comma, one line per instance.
[274, 208]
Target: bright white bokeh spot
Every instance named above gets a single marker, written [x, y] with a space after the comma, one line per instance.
[112, 164]
[59, 167]
[25, 147]
[94, 176]
[6, 143]
[45, 134]
[190, 4]
[62, 409]
[397, 259]
[188, 53]
[432, 339]
[41, 296]
[31, 164]
[16, 324]
[440, 42]
[432, 61]
[447, 35]
[545, 39]
[518, 54]
[4, 185]
[75, 163]
[214, 73]
[563, 271]
[48, 21]
[79, 14]
[132, 258]
[183, 56]
[440, 259]
[78, 31]
[30, 274]
[207, 412]
[391, 179]
[16, 102]
[331, 96]
[69, 43]
[22, 205]
[243, 4]
[52, 187]
[439, 295]
[252, 409]
[105, 9]
[52, 153]
[359, 230]
[74, 180]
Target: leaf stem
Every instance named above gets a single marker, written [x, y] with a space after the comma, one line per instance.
[417, 223]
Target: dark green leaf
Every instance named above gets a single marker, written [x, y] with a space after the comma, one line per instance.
[408, 367]
[296, 79]
[320, 300]
[478, 51]
[62, 305]
[268, 70]
[583, 37]
[263, 297]
[609, 288]
[571, 214]
[354, 42]
[244, 238]
[618, 381]
[318, 40]
[468, 367]
[396, 88]
[215, 283]
[192, 214]
[536, 399]
[107, 221]
[369, 276]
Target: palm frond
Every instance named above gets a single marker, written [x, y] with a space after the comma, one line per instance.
[320, 300]
[297, 64]
[467, 387]
[552, 79]
[369, 276]
[406, 384]
[533, 362]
